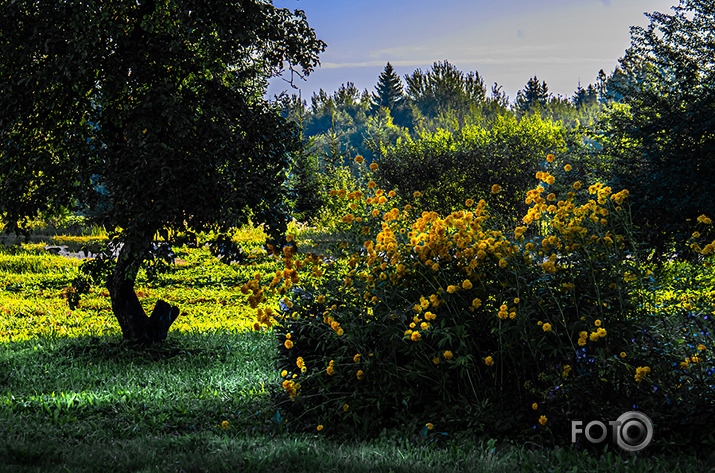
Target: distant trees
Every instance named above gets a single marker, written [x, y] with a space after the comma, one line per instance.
[661, 133]
[444, 89]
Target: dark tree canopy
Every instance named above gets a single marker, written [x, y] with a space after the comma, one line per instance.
[662, 133]
[148, 115]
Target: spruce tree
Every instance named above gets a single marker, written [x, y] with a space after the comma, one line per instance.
[533, 97]
[389, 89]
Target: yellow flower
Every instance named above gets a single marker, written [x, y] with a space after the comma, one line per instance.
[284, 373]
[357, 358]
[704, 219]
[416, 336]
[550, 158]
[696, 234]
[546, 327]
[641, 373]
[476, 302]
[701, 347]
[360, 374]
[577, 185]
[320, 299]
[496, 188]
[340, 332]
[429, 426]
[452, 289]
[435, 360]
[534, 406]
[416, 194]
[359, 159]
[319, 428]
[224, 424]
[516, 300]
[622, 354]
[469, 202]
[597, 323]
[371, 184]
[567, 168]
[373, 166]
[345, 407]
[550, 180]
[489, 361]
[467, 284]
[288, 344]
[447, 355]
[543, 420]
[330, 370]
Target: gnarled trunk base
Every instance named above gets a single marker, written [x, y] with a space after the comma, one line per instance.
[128, 310]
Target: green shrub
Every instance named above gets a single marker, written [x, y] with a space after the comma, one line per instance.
[457, 320]
[448, 167]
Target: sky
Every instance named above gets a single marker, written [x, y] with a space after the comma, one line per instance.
[561, 42]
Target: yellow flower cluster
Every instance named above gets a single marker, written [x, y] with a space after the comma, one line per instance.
[566, 371]
[334, 324]
[292, 387]
[641, 372]
[504, 311]
[264, 317]
[597, 334]
[331, 368]
[254, 287]
[301, 364]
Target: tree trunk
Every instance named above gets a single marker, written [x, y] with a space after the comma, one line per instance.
[128, 310]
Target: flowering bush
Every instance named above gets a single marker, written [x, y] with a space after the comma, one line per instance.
[459, 319]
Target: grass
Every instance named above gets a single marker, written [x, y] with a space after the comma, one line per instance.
[75, 397]
[83, 404]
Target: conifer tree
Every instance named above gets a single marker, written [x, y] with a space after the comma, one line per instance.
[389, 89]
[533, 97]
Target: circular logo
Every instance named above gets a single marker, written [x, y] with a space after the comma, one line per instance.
[634, 431]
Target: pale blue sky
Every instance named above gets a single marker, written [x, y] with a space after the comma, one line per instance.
[506, 41]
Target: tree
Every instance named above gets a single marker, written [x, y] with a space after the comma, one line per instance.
[662, 134]
[153, 110]
[389, 91]
[444, 88]
[533, 97]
